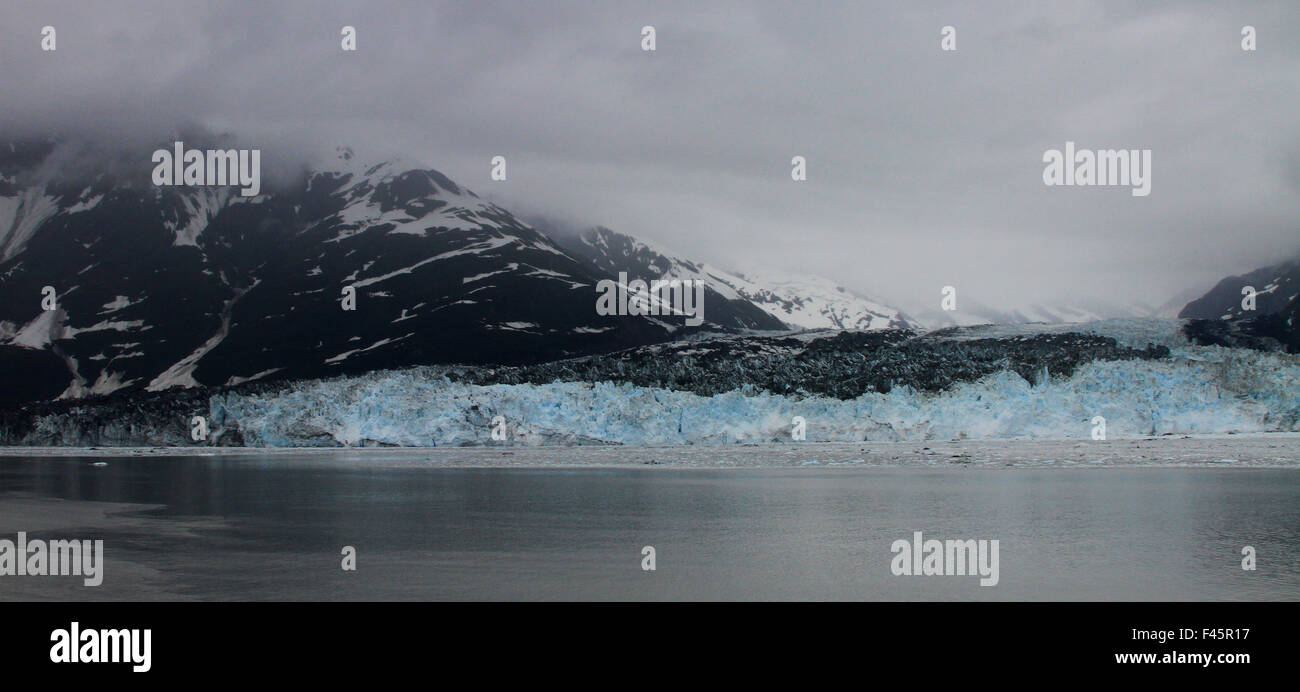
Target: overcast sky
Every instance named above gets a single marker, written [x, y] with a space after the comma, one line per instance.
[924, 167]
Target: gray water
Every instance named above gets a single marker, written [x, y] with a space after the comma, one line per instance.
[252, 528]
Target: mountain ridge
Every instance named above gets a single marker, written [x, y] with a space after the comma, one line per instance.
[160, 287]
[787, 301]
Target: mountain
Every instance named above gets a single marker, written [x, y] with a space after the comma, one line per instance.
[1276, 287]
[759, 300]
[1219, 318]
[163, 287]
[1170, 308]
[610, 254]
[812, 302]
[971, 312]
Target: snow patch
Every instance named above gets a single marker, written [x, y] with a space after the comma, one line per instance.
[201, 205]
[85, 204]
[20, 216]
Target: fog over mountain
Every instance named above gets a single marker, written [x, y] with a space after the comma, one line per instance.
[924, 167]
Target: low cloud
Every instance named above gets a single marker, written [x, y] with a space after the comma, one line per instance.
[924, 167]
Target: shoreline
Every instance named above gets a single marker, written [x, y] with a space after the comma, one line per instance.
[1246, 450]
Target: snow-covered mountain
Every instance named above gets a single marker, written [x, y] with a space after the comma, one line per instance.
[1276, 288]
[161, 287]
[1170, 308]
[971, 312]
[1220, 316]
[613, 253]
[813, 302]
[764, 299]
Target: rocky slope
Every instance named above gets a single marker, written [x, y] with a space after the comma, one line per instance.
[162, 287]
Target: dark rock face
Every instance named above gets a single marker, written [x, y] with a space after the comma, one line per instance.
[29, 374]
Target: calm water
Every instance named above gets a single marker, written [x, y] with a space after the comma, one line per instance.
[250, 528]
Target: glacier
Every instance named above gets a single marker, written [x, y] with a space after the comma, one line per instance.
[1197, 390]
